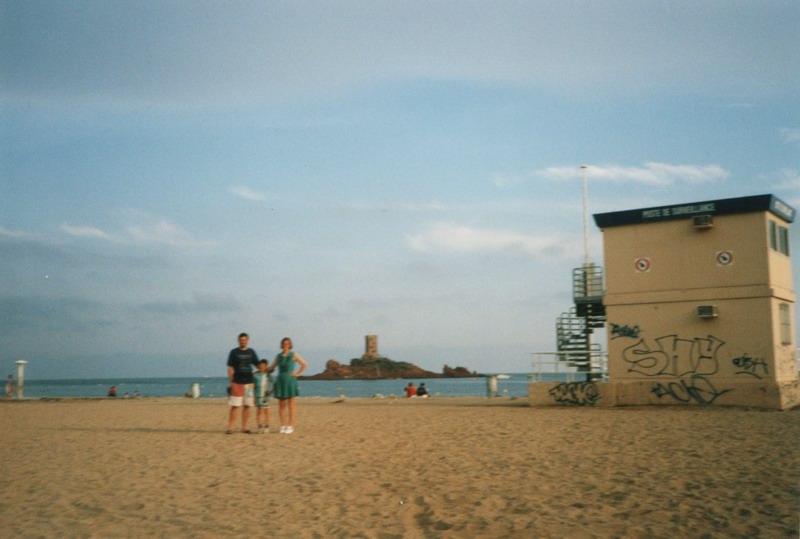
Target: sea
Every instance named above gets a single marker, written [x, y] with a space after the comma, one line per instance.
[515, 385]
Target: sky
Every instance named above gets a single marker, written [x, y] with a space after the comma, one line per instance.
[176, 172]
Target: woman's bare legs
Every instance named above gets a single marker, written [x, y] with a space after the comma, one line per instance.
[282, 411]
[291, 412]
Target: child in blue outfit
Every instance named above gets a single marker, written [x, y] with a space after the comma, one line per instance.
[263, 389]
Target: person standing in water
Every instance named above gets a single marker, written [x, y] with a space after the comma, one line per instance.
[285, 389]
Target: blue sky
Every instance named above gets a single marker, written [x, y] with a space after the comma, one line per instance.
[173, 173]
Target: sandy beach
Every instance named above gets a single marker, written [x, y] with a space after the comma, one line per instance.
[397, 468]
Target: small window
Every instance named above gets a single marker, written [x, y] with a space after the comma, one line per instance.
[786, 323]
[773, 235]
[783, 240]
[779, 238]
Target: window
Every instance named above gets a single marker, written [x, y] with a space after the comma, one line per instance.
[786, 323]
[783, 240]
[773, 235]
[779, 238]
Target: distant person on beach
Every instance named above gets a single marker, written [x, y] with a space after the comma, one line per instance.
[10, 387]
[411, 391]
[263, 389]
[113, 391]
[422, 391]
[286, 383]
[241, 361]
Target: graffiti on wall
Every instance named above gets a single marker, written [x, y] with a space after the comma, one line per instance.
[686, 369]
[692, 361]
[624, 331]
[751, 366]
[576, 393]
[673, 356]
[694, 389]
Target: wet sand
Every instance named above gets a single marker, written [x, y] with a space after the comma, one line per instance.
[468, 467]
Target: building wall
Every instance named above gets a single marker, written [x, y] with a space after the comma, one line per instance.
[682, 258]
[658, 274]
[660, 268]
[662, 340]
[779, 396]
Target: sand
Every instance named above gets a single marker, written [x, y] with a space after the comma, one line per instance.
[397, 468]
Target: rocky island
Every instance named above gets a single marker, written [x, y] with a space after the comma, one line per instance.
[373, 366]
[383, 367]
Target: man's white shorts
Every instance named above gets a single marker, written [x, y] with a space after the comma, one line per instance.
[242, 394]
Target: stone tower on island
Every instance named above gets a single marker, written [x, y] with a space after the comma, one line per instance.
[371, 348]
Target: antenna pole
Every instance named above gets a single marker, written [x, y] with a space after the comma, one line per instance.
[585, 217]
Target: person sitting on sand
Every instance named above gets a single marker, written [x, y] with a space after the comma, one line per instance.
[113, 391]
[422, 391]
[411, 391]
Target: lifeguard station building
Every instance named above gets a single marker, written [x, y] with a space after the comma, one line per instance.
[699, 307]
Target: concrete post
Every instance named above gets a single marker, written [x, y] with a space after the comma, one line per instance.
[491, 386]
[20, 376]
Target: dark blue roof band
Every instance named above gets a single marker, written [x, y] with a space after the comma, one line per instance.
[727, 206]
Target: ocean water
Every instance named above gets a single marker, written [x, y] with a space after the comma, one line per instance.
[515, 386]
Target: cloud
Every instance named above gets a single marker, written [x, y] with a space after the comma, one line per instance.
[15, 234]
[657, 174]
[464, 239]
[136, 52]
[36, 313]
[19, 254]
[389, 206]
[504, 180]
[199, 304]
[246, 193]
[161, 231]
[788, 178]
[85, 232]
[790, 136]
[148, 230]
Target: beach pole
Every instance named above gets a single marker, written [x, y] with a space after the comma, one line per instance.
[491, 386]
[585, 217]
[586, 264]
[20, 376]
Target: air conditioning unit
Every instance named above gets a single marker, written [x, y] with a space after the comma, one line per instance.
[703, 221]
[707, 311]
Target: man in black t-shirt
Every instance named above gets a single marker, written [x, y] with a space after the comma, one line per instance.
[241, 361]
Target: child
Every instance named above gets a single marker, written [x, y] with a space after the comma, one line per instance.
[263, 389]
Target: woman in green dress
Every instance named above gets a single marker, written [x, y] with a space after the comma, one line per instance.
[285, 389]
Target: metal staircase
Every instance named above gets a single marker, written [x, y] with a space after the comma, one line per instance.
[575, 327]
